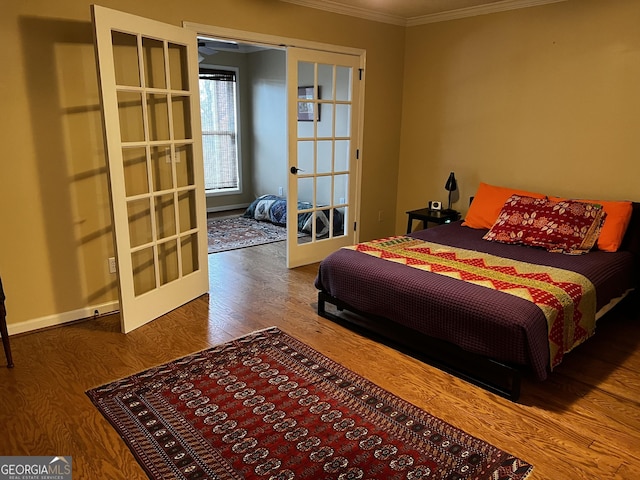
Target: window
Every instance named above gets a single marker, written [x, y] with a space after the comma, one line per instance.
[218, 100]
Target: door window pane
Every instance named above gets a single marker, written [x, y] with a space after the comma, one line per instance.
[306, 74]
[187, 210]
[343, 120]
[185, 176]
[136, 181]
[125, 59]
[305, 129]
[305, 156]
[325, 125]
[130, 114]
[305, 192]
[181, 111]
[161, 168]
[165, 216]
[153, 61]
[158, 117]
[343, 84]
[189, 249]
[325, 156]
[342, 155]
[341, 222]
[144, 271]
[325, 81]
[178, 67]
[168, 261]
[139, 217]
[323, 191]
[340, 188]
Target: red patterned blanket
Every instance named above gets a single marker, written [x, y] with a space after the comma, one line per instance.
[566, 298]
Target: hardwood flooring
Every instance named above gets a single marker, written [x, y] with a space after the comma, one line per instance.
[582, 423]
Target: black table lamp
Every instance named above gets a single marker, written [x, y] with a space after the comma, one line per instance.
[450, 186]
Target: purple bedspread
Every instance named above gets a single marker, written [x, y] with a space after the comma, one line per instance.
[478, 319]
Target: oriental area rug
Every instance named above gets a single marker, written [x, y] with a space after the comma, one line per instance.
[267, 406]
[232, 233]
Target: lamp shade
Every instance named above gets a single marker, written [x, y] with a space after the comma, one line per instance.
[451, 184]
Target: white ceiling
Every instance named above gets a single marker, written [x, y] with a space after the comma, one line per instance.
[417, 12]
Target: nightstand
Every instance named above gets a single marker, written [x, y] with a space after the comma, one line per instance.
[433, 216]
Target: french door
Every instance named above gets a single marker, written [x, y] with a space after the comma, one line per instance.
[323, 115]
[151, 110]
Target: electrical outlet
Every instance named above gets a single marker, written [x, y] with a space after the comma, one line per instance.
[380, 216]
[112, 264]
[280, 191]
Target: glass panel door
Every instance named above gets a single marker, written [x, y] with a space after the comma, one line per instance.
[323, 114]
[149, 87]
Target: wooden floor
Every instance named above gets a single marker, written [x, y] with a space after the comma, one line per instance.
[583, 423]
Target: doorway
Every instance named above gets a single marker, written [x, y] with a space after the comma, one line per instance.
[260, 117]
[321, 154]
[153, 137]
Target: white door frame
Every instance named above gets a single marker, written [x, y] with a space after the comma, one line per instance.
[279, 42]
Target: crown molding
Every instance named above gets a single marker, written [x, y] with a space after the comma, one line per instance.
[353, 11]
[369, 14]
[503, 6]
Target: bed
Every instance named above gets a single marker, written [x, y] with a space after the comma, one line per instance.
[429, 292]
[273, 209]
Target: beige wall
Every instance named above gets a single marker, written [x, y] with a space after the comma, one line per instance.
[56, 234]
[269, 122]
[544, 98]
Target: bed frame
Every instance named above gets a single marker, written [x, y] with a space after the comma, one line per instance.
[494, 376]
[499, 378]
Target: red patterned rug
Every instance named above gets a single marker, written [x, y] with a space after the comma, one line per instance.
[267, 406]
[238, 232]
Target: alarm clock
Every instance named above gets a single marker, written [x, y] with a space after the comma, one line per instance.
[434, 205]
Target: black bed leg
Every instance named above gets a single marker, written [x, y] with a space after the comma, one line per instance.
[324, 297]
[321, 309]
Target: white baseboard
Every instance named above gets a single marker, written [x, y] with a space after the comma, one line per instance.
[61, 318]
[227, 207]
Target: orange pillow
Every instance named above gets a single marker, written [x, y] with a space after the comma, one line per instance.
[615, 223]
[487, 204]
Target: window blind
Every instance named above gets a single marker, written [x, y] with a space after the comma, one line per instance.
[219, 128]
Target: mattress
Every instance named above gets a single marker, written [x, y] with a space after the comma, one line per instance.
[478, 319]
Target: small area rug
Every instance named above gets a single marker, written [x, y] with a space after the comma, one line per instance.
[238, 232]
[267, 406]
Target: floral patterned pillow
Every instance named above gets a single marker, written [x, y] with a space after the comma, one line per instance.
[559, 226]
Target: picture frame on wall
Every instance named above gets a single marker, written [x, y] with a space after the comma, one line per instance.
[306, 109]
